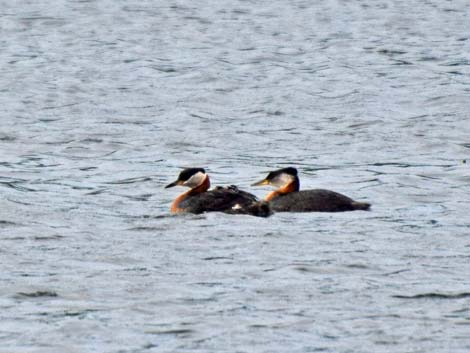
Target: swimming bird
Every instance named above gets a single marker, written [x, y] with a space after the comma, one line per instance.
[288, 198]
[200, 199]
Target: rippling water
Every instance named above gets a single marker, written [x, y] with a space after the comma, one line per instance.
[102, 103]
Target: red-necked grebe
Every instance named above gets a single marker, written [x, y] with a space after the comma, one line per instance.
[200, 199]
[288, 198]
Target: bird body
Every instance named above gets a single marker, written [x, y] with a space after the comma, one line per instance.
[200, 199]
[289, 198]
[224, 199]
[316, 200]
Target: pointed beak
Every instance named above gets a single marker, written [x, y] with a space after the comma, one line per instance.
[177, 182]
[261, 182]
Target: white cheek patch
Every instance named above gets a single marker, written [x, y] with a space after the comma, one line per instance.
[236, 207]
[195, 180]
[282, 180]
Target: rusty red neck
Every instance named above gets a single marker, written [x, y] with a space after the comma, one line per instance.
[286, 189]
[203, 187]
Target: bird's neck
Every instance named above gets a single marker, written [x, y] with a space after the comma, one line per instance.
[293, 186]
[202, 187]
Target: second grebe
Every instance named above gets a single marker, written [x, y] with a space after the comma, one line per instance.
[200, 199]
[288, 198]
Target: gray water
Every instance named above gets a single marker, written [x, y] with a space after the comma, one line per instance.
[103, 102]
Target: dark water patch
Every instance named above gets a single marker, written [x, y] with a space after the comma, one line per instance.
[271, 234]
[461, 62]
[78, 313]
[269, 269]
[56, 107]
[202, 118]
[20, 202]
[16, 186]
[15, 238]
[147, 229]
[209, 284]
[212, 258]
[338, 96]
[92, 140]
[48, 237]
[197, 300]
[395, 272]
[434, 296]
[458, 73]
[386, 343]
[97, 192]
[129, 61]
[37, 294]
[391, 52]
[153, 217]
[48, 120]
[44, 165]
[7, 138]
[429, 177]
[437, 99]
[257, 326]
[365, 124]
[176, 332]
[22, 58]
[143, 197]
[149, 346]
[141, 122]
[358, 266]
[318, 349]
[448, 9]
[160, 216]
[330, 337]
[428, 58]
[68, 313]
[396, 164]
[75, 187]
[165, 69]
[463, 323]
[4, 223]
[303, 269]
[249, 48]
[136, 269]
[130, 180]
[275, 113]
[58, 143]
[40, 18]
[420, 117]
[370, 183]
[460, 311]
[401, 62]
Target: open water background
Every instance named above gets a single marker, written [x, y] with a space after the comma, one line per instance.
[102, 103]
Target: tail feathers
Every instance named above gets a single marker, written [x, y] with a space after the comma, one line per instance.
[365, 206]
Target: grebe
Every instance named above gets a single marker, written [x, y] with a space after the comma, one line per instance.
[288, 198]
[200, 199]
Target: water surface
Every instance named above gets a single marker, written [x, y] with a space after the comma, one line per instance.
[102, 103]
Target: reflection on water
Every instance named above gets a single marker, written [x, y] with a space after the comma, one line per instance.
[101, 105]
